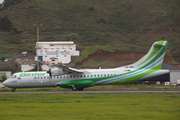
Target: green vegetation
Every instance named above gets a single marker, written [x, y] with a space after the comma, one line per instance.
[109, 87]
[91, 49]
[90, 106]
[123, 25]
[6, 66]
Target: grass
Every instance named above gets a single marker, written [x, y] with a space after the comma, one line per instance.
[91, 49]
[108, 87]
[90, 106]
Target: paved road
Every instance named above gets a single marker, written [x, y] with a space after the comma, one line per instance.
[90, 92]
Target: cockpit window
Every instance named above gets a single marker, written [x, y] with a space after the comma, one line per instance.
[13, 76]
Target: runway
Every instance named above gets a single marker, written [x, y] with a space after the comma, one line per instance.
[92, 92]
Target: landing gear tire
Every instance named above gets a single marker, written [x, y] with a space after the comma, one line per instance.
[13, 89]
[74, 88]
[80, 89]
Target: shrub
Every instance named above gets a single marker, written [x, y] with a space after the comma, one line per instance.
[101, 20]
[91, 8]
[16, 30]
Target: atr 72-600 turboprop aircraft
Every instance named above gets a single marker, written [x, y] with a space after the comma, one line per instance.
[77, 79]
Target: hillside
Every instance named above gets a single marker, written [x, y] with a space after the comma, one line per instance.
[126, 25]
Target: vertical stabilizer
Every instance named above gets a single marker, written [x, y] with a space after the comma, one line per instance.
[154, 58]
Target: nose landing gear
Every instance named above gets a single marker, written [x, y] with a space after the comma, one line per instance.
[13, 89]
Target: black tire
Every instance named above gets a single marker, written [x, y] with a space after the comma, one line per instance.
[74, 88]
[80, 89]
[13, 89]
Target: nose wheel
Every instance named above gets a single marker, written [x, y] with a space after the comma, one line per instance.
[13, 89]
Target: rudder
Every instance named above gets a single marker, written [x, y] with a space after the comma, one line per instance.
[154, 58]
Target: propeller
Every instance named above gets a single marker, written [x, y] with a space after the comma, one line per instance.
[50, 73]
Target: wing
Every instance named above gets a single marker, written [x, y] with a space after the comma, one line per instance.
[63, 69]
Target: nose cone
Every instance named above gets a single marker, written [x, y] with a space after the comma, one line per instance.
[5, 83]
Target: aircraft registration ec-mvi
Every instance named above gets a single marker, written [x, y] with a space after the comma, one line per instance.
[78, 79]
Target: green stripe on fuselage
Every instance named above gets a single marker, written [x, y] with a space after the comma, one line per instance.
[135, 78]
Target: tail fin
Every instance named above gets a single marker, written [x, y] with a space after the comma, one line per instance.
[154, 58]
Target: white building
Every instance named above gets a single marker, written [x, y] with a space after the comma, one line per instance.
[60, 52]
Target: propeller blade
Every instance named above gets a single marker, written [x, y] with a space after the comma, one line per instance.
[50, 74]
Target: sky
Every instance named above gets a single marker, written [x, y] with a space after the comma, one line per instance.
[1, 1]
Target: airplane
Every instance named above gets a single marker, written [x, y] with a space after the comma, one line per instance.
[77, 79]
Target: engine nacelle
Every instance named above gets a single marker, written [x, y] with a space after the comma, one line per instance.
[57, 71]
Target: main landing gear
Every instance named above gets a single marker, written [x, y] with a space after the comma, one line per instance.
[74, 88]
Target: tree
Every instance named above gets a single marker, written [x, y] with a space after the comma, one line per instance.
[5, 24]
